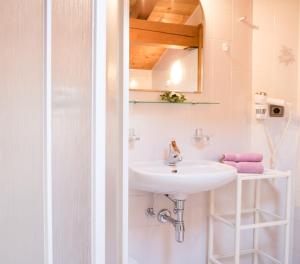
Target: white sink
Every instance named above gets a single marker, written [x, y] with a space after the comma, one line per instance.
[187, 177]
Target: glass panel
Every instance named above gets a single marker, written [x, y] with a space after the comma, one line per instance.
[161, 102]
[175, 70]
[166, 46]
[21, 136]
[72, 88]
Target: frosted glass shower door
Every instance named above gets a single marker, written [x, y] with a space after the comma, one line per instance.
[46, 49]
[21, 132]
[52, 109]
[72, 119]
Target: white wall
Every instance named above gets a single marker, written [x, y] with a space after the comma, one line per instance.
[277, 23]
[276, 35]
[161, 72]
[159, 77]
[140, 79]
[227, 79]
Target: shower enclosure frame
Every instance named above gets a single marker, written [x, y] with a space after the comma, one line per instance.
[98, 135]
[64, 134]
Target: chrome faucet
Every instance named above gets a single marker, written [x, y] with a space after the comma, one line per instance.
[174, 154]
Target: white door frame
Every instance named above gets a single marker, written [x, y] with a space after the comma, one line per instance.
[47, 188]
[98, 133]
[125, 128]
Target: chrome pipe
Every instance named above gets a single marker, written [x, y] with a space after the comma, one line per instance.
[179, 231]
[179, 223]
[164, 216]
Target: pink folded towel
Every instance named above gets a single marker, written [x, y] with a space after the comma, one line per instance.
[242, 157]
[247, 167]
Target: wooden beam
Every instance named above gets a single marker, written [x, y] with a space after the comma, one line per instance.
[143, 37]
[170, 28]
[163, 34]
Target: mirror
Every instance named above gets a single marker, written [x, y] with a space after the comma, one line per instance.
[166, 41]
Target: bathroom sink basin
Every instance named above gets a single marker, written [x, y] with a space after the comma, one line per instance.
[187, 177]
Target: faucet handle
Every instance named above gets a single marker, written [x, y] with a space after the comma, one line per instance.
[174, 146]
[200, 136]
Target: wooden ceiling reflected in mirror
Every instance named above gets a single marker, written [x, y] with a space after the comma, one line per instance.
[167, 11]
[157, 27]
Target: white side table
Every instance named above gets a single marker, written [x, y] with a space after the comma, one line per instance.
[237, 225]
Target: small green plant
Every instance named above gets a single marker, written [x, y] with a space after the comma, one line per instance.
[172, 97]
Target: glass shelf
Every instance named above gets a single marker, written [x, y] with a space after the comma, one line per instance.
[161, 102]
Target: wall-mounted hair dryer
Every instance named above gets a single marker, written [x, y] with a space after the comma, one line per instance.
[264, 106]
